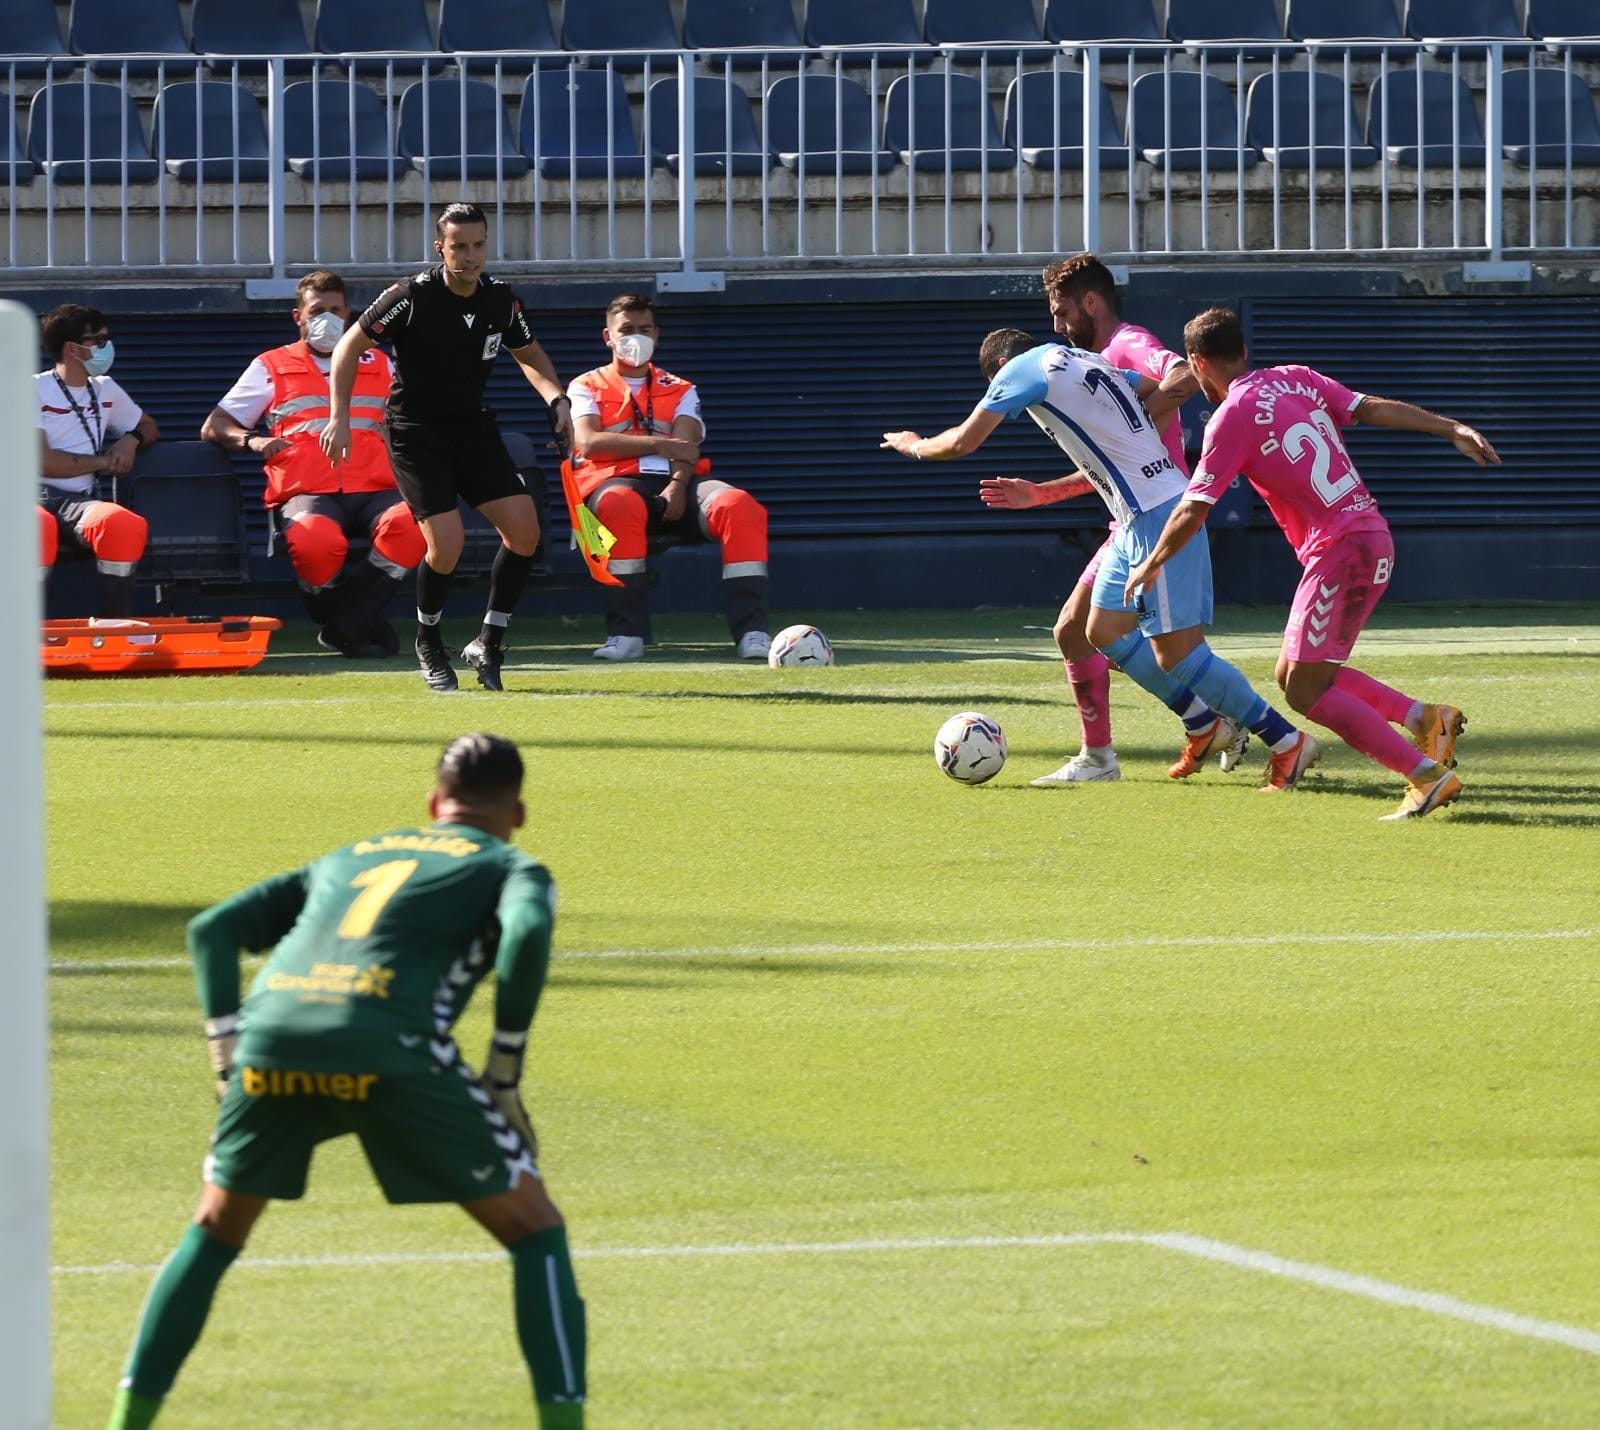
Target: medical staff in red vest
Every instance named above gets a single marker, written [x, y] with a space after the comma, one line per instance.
[638, 467]
[320, 507]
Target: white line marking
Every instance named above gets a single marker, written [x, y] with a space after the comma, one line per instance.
[1242, 1257]
[1432, 1301]
[1042, 945]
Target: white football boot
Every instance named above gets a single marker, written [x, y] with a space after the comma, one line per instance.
[753, 645]
[1084, 766]
[621, 648]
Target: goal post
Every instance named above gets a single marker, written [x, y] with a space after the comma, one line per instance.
[24, 1000]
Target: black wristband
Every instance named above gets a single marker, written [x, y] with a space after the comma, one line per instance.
[562, 398]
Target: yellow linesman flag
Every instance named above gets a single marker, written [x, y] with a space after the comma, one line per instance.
[594, 541]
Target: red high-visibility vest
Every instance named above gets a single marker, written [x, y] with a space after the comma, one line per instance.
[649, 414]
[299, 412]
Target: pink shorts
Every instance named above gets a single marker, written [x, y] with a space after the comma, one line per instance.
[1336, 595]
[1093, 568]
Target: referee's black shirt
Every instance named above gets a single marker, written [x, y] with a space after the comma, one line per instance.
[444, 345]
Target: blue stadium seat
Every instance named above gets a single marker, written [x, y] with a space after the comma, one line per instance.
[120, 27]
[189, 493]
[1462, 21]
[723, 25]
[1344, 20]
[1190, 21]
[960, 22]
[1193, 94]
[841, 131]
[1556, 98]
[725, 137]
[1034, 101]
[1553, 20]
[832, 24]
[490, 146]
[192, 128]
[30, 27]
[16, 167]
[1094, 22]
[563, 129]
[620, 24]
[914, 114]
[383, 27]
[495, 25]
[261, 27]
[331, 126]
[1285, 138]
[69, 145]
[1443, 103]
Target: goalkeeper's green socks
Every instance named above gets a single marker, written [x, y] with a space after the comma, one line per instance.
[174, 1315]
[550, 1326]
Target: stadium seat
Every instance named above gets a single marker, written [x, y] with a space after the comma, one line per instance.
[121, 27]
[431, 130]
[765, 26]
[1460, 22]
[725, 136]
[1192, 95]
[914, 114]
[1033, 103]
[263, 27]
[498, 25]
[69, 144]
[563, 128]
[16, 167]
[1285, 137]
[621, 24]
[380, 27]
[189, 493]
[1093, 22]
[192, 128]
[833, 24]
[1556, 20]
[331, 126]
[1224, 22]
[1556, 98]
[1344, 20]
[841, 131]
[30, 27]
[960, 22]
[1443, 101]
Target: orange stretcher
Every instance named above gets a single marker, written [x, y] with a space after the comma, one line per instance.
[179, 645]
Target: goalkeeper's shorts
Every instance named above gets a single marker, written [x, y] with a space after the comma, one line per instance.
[428, 1137]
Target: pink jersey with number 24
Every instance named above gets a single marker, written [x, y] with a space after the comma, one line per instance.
[1280, 427]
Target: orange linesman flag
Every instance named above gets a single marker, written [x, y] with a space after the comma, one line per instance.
[594, 541]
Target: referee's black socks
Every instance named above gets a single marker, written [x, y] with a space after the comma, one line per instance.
[508, 578]
[432, 589]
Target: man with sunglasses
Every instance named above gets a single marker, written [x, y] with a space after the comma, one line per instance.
[88, 425]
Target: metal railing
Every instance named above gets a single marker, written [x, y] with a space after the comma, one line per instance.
[1055, 147]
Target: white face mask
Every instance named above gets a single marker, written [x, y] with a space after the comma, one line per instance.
[634, 348]
[324, 331]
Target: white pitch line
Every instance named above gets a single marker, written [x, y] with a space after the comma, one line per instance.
[1242, 1257]
[1043, 945]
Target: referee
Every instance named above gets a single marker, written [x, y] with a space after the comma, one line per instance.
[446, 327]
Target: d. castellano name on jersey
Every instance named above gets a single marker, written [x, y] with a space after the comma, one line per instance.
[452, 844]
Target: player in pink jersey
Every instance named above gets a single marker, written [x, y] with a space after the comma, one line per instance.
[1083, 305]
[1280, 426]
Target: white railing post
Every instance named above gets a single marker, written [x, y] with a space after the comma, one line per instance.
[276, 250]
[686, 160]
[1091, 150]
[1494, 174]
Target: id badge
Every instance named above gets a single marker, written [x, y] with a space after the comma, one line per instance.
[655, 467]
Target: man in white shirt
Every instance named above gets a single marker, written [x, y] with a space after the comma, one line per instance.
[89, 425]
[320, 506]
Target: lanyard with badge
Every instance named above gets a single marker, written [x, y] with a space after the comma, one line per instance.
[98, 435]
[644, 420]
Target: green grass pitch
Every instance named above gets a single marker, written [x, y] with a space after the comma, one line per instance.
[849, 1077]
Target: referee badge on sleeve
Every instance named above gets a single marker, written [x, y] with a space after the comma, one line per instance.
[491, 346]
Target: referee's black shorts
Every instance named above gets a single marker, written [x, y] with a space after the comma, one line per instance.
[437, 464]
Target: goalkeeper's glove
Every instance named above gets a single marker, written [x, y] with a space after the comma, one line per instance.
[501, 1080]
[222, 1034]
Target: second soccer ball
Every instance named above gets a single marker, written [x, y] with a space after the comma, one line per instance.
[800, 645]
[970, 747]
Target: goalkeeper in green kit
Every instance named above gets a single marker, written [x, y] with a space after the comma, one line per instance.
[348, 1029]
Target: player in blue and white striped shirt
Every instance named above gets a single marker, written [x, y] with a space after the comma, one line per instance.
[1085, 406]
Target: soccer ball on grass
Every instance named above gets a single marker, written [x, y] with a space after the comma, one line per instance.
[970, 747]
[800, 645]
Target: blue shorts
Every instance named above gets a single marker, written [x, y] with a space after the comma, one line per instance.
[1181, 594]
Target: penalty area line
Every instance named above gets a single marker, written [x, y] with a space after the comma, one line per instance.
[1241, 1258]
[1042, 945]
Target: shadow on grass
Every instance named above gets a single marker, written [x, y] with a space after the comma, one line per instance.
[158, 1025]
[776, 962]
[75, 921]
[1530, 820]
